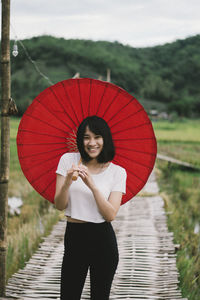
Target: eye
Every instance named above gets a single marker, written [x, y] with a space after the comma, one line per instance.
[86, 137]
[98, 136]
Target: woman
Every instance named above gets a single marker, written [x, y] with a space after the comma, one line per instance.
[91, 203]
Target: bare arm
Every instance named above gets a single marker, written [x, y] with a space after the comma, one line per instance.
[61, 198]
[108, 208]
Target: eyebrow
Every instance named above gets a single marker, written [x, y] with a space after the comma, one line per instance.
[89, 135]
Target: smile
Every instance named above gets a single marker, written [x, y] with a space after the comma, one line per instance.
[93, 149]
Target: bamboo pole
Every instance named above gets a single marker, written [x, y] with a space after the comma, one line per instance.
[5, 138]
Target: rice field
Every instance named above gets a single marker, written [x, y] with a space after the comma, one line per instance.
[180, 189]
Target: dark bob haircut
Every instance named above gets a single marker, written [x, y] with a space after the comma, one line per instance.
[99, 127]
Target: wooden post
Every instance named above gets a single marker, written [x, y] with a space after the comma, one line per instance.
[5, 139]
[108, 75]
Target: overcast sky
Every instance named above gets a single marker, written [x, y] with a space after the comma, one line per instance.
[138, 23]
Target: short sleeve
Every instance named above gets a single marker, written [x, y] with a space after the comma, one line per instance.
[120, 181]
[64, 164]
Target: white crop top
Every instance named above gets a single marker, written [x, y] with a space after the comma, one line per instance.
[82, 205]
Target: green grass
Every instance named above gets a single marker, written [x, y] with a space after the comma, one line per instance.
[37, 215]
[24, 239]
[180, 140]
[185, 131]
[180, 189]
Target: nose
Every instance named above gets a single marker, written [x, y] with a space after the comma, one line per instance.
[92, 141]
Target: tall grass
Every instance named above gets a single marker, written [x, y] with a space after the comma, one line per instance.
[36, 218]
[180, 188]
[25, 240]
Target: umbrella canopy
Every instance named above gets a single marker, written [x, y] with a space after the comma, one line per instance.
[48, 130]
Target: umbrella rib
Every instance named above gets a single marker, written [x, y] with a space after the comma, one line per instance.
[61, 105]
[43, 162]
[134, 127]
[45, 107]
[49, 124]
[130, 101]
[70, 102]
[90, 97]
[131, 190]
[105, 88]
[70, 142]
[40, 144]
[41, 175]
[126, 117]
[78, 83]
[134, 139]
[39, 133]
[50, 183]
[130, 171]
[42, 121]
[115, 96]
[36, 154]
[138, 163]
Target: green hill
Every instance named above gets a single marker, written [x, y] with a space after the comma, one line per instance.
[164, 77]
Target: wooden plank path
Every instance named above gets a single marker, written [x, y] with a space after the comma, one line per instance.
[147, 266]
[178, 162]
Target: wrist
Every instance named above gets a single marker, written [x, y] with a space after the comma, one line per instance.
[93, 188]
[66, 184]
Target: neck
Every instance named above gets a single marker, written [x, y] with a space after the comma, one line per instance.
[92, 163]
[95, 167]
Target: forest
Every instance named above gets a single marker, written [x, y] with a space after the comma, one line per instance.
[164, 77]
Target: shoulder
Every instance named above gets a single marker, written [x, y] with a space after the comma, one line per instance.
[66, 162]
[118, 170]
[71, 157]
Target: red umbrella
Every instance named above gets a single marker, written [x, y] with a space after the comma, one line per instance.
[48, 128]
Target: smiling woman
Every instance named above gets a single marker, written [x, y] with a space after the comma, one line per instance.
[90, 202]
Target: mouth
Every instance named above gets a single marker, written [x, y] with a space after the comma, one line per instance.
[93, 149]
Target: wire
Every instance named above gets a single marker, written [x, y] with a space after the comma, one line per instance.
[30, 59]
[34, 63]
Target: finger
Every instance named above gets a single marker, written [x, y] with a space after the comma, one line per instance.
[82, 176]
[75, 168]
[83, 167]
[82, 172]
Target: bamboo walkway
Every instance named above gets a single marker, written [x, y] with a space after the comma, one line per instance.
[147, 267]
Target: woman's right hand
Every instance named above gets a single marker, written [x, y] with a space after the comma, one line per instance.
[62, 188]
[70, 172]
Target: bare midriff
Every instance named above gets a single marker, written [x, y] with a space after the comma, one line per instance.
[69, 219]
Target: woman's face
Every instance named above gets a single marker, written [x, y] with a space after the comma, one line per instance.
[93, 144]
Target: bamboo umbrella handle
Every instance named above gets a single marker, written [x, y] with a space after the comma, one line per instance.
[75, 174]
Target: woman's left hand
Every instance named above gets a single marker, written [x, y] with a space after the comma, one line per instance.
[86, 176]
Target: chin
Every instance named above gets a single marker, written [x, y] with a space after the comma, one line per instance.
[93, 156]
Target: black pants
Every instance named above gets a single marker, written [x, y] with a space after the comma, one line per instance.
[88, 245]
